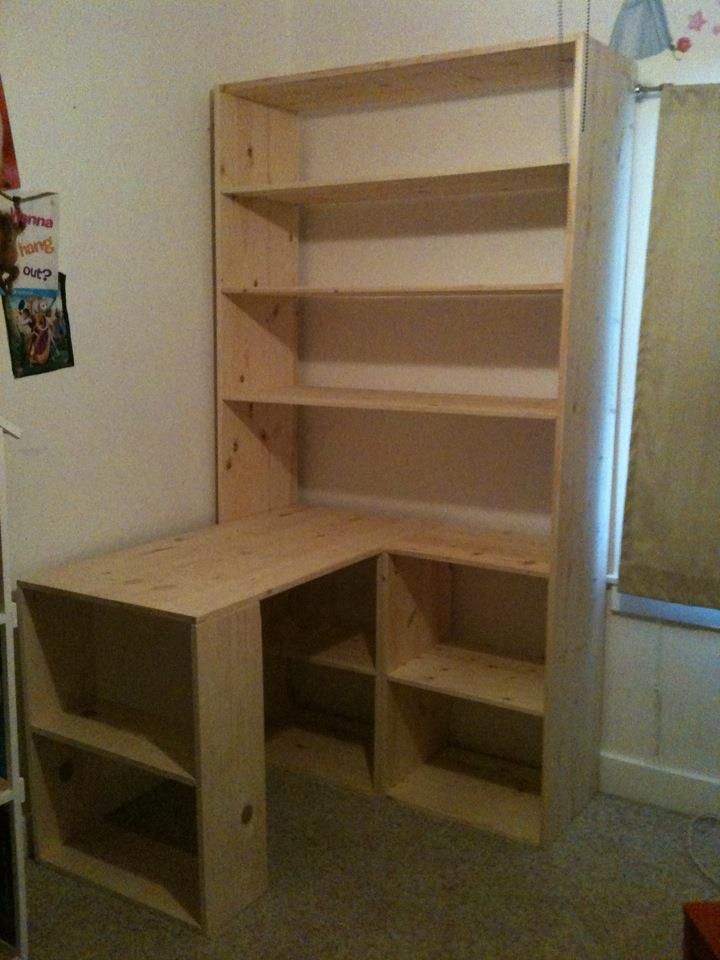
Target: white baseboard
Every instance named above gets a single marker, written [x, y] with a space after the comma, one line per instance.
[635, 779]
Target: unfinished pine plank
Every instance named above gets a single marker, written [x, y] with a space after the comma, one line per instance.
[6, 794]
[469, 291]
[254, 145]
[546, 177]
[197, 574]
[407, 401]
[416, 613]
[133, 866]
[113, 730]
[492, 795]
[601, 148]
[487, 549]
[324, 644]
[480, 677]
[465, 73]
[342, 756]
[228, 709]
[203, 572]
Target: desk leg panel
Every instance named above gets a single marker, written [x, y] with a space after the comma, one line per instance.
[230, 763]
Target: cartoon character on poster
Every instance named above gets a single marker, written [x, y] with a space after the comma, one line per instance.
[35, 308]
[38, 330]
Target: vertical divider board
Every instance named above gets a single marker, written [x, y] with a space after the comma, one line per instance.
[600, 147]
[256, 245]
[231, 763]
[414, 598]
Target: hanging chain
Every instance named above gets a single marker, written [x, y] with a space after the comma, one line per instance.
[561, 75]
[561, 84]
[586, 61]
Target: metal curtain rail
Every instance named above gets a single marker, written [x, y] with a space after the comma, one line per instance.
[641, 91]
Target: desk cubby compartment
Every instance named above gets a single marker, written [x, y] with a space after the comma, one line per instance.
[319, 673]
[116, 825]
[460, 721]
[111, 680]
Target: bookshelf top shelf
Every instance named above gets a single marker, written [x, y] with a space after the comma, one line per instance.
[467, 291]
[199, 574]
[551, 177]
[465, 73]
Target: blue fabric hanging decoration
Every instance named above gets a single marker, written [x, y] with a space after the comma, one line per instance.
[641, 29]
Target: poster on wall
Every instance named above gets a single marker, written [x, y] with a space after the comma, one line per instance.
[38, 329]
[9, 177]
[36, 315]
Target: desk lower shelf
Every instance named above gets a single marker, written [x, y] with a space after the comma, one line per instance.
[487, 793]
[145, 670]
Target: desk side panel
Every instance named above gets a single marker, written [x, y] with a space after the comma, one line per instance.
[231, 764]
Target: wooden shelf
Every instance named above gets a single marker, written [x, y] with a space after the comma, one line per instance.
[521, 179]
[6, 793]
[119, 732]
[7, 952]
[467, 73]
[406, 401]
[328, 748]
[468, 291]
[324, 645]
[133, 866]
[480, 677]
[491, 794]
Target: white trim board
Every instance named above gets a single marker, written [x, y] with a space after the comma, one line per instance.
[685, 791]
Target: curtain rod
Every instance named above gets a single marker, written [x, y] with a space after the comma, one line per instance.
[642, 91]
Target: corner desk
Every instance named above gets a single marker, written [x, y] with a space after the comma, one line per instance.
[144, 694]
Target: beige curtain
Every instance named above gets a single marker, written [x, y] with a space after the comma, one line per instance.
[671, 535]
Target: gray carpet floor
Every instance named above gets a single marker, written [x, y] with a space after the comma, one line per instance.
[355, 877]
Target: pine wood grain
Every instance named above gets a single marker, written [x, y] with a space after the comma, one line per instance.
[476, 676]
[463, 73]
[468, 291]
[198, 574]
[406, 401]
[547, 177]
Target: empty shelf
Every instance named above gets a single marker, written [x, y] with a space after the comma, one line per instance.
[324, 645]
[119, 732]
[134, 866]
[465, 73]
[403, 400]
[472, 675]
[319, 749]
[491, 794]
[403, 293]
[548, 177]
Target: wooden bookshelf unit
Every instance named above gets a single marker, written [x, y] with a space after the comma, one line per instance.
[451, 665]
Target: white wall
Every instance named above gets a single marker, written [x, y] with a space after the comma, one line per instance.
[109, 104]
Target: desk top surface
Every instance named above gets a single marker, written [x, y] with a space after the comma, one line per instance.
[198, 574]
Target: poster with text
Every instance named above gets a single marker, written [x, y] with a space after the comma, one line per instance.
[37, 242]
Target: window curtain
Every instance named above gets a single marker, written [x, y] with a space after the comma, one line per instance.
[671, 533]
